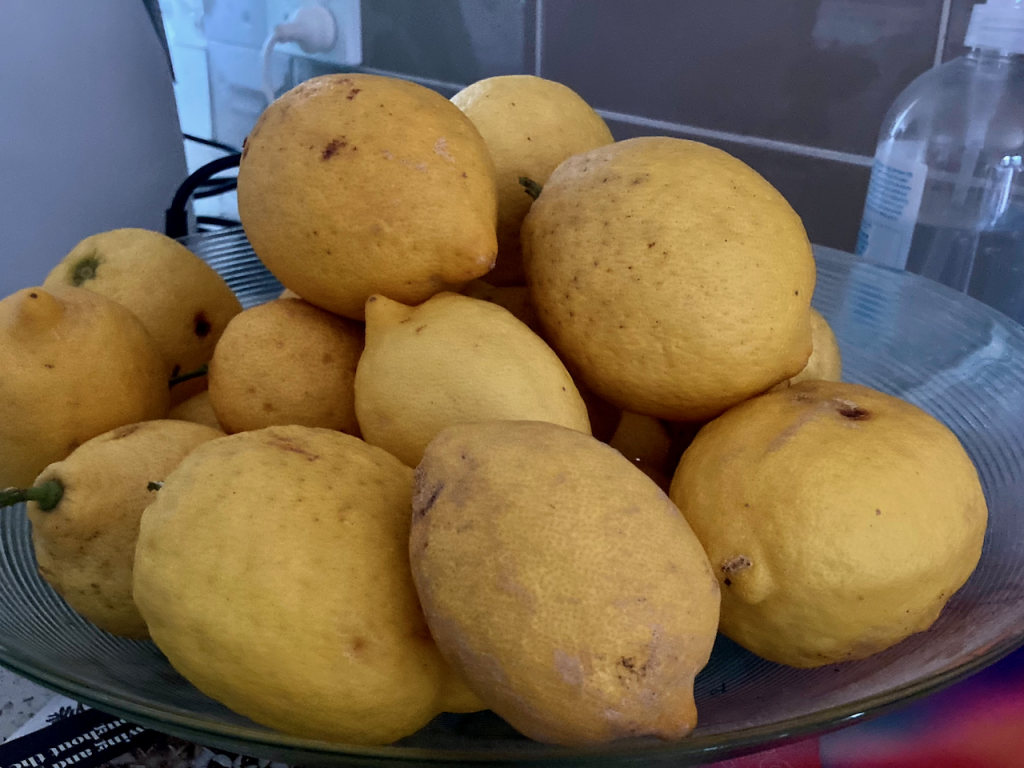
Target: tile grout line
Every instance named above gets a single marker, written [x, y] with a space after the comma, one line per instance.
[791, 148]
[428, 81]
[940, 45]
[538, 35]
[805, 150]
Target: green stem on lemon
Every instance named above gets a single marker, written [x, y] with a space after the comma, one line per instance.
[47, 495]
[531, 187]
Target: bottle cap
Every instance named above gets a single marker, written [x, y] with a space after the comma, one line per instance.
[997, 25]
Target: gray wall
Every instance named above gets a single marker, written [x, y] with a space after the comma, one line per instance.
[796, 88]
[89, 136]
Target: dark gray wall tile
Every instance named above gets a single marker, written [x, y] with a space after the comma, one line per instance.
[449, 40]
[820, 72]
[828, 195]
[959, 18]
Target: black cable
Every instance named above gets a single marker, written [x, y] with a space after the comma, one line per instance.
[217, 221]
[210, 143]
[212, 190]
[176, 216]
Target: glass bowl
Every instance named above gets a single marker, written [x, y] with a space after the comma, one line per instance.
[954, 357]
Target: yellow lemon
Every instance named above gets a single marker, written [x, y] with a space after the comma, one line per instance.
[450, 360]
[670, 276]
[85, 542]
[561, 582]
[352, 185]
[184, 304]
[839, 520]
[530, 125]
[273, 571]
[73, 365]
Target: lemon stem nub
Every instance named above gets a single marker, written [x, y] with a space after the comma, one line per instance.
[84, 270]
[531, 187]
[47, 495]
[181, 378]
[154, 486]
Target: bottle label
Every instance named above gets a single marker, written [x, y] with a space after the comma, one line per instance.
[893, 201]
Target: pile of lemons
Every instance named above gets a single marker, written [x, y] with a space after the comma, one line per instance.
[539, 414]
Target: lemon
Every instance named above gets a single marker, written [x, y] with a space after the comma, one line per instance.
[672, 278]
[73, 365]
[530, 125]
[455, 359]
[561, 582]
[839, 520]
[196, 409]
[273, 572]
[352, 185]
[826, 361]
[286, 362]
[85, 546]
[184, 304]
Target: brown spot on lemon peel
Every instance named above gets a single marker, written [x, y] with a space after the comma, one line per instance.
[47, 495]
[628, 663]
[353, 93]
[878, 512]
[736, 564]
[286, 444]
[182, 378]
[818, 409]
[123, 432]
[201, 325]
[423, 503]
[332, 148]
[531, 187]
[83, 271]
[245, 147]
[852, 411]
[728, 582]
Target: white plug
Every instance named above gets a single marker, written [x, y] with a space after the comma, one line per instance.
[312, 27]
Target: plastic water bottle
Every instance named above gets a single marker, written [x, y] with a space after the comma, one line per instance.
[946, 197]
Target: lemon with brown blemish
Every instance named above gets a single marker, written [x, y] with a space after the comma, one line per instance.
[272, 570]
[73, 365]
[352, 185]
[183, 303]
[562, 583]
[671, 277]
[85, 513]
[838, 520]
[530, 125]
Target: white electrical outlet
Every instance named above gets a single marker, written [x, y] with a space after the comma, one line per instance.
[348, 47]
